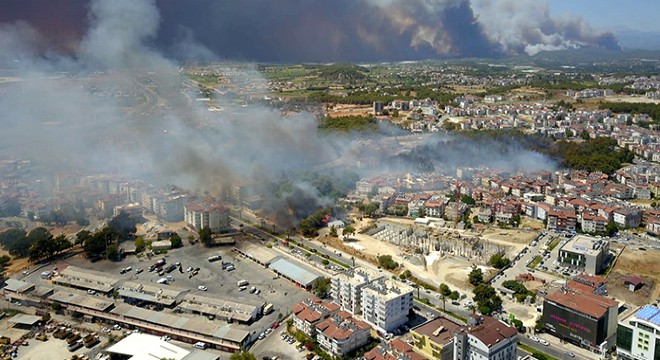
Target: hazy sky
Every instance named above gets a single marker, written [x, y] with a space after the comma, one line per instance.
[641, 15]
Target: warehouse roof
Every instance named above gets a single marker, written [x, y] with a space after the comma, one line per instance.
[295, 272]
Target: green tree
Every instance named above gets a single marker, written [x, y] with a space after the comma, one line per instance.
[386, 262]
[82, 236]
[444, 289]
[348, 231]
[140, 244]
[454, 295]
[96, 246]
[321, 286]
[476, 276]
[498, 261]
[205, 236]
[176, 241]
[113, 252]
[486, 298]
[585, 135]
[243, 355]
[611, 228]
[333, 231]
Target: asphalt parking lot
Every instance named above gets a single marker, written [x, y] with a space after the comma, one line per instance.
[219, 283]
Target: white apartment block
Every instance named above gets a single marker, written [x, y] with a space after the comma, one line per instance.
[346, 287]
[487, 339]
[638, 335]
[206, 213]
[385, 304]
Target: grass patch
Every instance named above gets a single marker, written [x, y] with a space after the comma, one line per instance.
[447, 312]
[535, 262]
[554, 244]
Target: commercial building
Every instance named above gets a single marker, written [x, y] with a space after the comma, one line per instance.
[346, 287]
[588, 284]
[309, 312]
[134, 292]
[86, 279]
[206, 213]
[485, 338]
[299, 274]
[144, 346]
[585, 253]
[638, 335]
[434, 338]
[241, 311]
[340, 334]
[584, 319]
[385, 303]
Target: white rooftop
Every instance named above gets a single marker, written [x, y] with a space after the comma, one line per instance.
[147, 347]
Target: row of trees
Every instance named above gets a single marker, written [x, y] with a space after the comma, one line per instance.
[39, 244]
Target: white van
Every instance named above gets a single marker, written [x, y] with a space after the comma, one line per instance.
[200, 345]
[162, 281]
[243, 283]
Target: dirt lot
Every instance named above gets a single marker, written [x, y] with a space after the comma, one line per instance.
[346, 110]
[435, 267]
[640, 297]
[640, 263]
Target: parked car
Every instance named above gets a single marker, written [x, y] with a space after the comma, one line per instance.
[202, 288]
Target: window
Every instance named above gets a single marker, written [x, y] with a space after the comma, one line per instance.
[624, 337]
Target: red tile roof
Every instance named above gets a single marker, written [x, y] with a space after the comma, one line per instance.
[586, 303]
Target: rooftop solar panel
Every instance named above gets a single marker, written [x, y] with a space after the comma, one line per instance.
[649, 313]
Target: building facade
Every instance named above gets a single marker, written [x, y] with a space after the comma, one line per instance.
[340, 334]
[638, 335]
[584, 319]
[346, 287]
[385, 304]
[206, 213]
[585, 253]
[486, 338]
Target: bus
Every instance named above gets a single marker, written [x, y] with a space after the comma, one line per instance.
[268, 308]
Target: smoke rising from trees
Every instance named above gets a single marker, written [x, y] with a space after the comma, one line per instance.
[70, 113]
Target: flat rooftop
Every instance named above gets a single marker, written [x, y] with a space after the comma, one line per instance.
[85, 278]
[258, 253]
[221, 308]
[17, 286]
[147, 347]
[24, 319]
[165, 295]
[358, 275]
[388, 289]
[583, 244]
[198, 325]
[299, 273]
[87, 301]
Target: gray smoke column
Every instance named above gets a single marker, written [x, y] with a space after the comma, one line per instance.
[69, 112]
[525, 26]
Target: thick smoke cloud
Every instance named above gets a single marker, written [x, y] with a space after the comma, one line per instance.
[526, 26]
[71, 112]
[323, 31]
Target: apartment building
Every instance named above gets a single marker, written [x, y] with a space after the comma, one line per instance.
[346, 287]
[340, 334]
[206, 213]
[485, 338]
[385, 304]
[309, 312]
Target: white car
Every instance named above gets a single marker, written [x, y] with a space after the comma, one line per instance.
[202, 288]
[544, 342]
[91, 292]
[165, 338]
[534, 338]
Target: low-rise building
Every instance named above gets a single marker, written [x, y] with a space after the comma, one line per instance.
[585, 253]
[638, 335]
[396, 349]
[433, 339]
